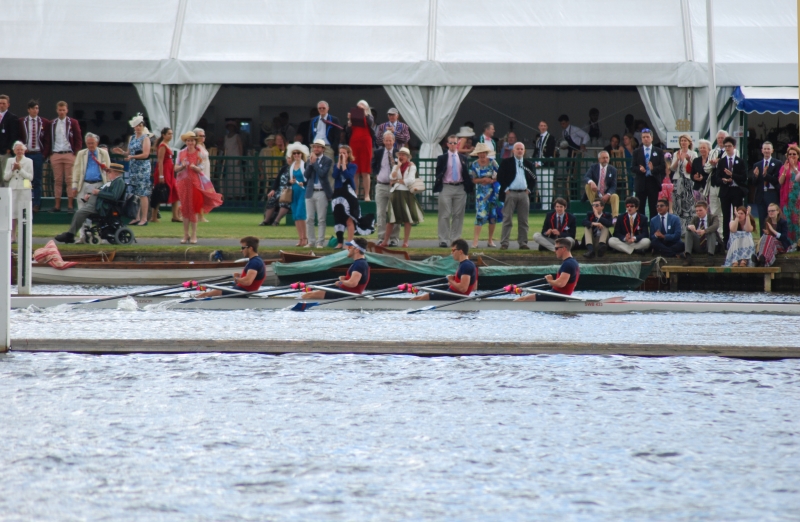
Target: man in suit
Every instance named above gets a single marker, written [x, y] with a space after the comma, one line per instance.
[401, 132]
[631, 230]
[488, 136]
[453, 183]
[765, 182]
[545, 148]
[318, 191]
[9, 128]
[383, 160]
[325, 127]
[649, 168]
[601, 182]
[730, 175]
[714, 206]
[702, 234]
[62, 139]
[517, 178]
[575, 137]
[596, 228]
[557, 223]
[665, 232]
[31, 133]
[545, 143]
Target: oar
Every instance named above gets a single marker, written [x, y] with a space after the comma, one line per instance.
[302, 307]
[295, 287]
[182, 285]
[473, 298]
[552, 294]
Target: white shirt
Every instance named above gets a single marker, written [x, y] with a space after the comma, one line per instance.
[488, 141]
[318, 183]
[386, 167]
[321, 131]
[577, 135]
[61, 144]
[33, 133]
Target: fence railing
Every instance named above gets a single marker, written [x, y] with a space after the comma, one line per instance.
[245, 180]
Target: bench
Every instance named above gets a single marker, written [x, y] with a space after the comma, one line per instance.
[672, 273]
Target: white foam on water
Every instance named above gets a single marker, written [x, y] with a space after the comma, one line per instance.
[128, 304]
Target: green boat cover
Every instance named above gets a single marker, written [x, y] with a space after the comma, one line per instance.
[442, 266]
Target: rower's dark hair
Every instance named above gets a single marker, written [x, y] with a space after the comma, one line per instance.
[360, 241]
[729, 139]
[560, 201]
[250, 241]
[632, 200]
[460, 244]
[565, 242]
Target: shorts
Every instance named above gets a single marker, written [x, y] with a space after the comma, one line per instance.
[334, 295]
[443, 297]
[541, 297]
[234, 287]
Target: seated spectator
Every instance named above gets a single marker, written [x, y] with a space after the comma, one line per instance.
[774, 238]
[614, 148]
[702, 233]
[601, 182]
[630, 230]
[98, 201]
[665, 232]
[595, 230]
[557, 223]
[740, 243]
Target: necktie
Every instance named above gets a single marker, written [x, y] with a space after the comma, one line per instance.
[647, 161]
[703, 239]
[558, 225]
[663, 225]
[453, 169]
[541, 145]
[633, 223]
[602, 185]
[702, 224]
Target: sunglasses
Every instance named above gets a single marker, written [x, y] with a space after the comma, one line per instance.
[244, 247]
[559, 248]
[297, 153]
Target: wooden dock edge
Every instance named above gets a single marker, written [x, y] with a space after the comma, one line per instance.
[420, 348]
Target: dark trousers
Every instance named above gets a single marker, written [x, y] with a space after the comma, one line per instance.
[667, 249]
[38, 166]
[733, 198]
[647, 189]
[770, 196]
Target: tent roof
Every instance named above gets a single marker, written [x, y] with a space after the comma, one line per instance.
[774, 100]
[414, 42]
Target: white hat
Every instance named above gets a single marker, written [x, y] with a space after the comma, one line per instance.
[404, 150]
[136, 120]
[319, 142]
[483, 147]
[465, 132]
[296, 146]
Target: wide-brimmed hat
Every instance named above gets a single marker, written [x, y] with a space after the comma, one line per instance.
[116, 167]
[136, 120]
[465, 132]
[404, 150]
[270, 137]
[188, 136]
[319, 142]
[482, 147]
[296, 146]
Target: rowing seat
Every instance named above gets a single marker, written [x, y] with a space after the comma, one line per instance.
[672, 272]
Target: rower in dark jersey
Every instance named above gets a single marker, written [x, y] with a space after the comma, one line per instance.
[566, 278]
[357, 277]
[253, 274]
[465, 280]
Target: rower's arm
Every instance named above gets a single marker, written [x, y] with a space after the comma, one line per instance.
[561, 282]
[463, 285]
[248, 278]
[355, 277]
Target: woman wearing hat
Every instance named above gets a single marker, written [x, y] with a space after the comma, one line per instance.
[465, 136]
[296, 157]
[138, 159]
[195, 190]
[403, 206]
[488, 207]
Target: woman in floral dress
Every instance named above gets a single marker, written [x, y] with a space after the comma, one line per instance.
[488, 207]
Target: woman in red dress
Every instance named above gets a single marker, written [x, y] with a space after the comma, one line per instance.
[165, 174]
[360, 141]
[195, 191]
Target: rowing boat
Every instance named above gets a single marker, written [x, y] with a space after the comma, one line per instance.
[615, 305]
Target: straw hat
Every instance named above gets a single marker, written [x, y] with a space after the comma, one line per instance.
[465, 132]
[188, 136]
[296, 146]
[116, 167]
[482, 147]
[319, 142]
[404, 150]
[270, 137]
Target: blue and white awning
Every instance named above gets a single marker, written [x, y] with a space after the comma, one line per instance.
[766, 99]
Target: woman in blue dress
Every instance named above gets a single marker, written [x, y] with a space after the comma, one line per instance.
[488, 207]
[138, 159]
[296, 157]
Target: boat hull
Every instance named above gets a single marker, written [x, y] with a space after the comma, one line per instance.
[131, 274]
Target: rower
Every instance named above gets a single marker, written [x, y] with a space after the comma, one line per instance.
[465, 280]
[253, 274]
[566, 278]
[357, 277]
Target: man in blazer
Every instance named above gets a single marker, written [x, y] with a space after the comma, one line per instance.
[713, 158]
[318, 191]
[601, 182]
[31, 133]
[545, 148]
[326, 128]
[702, 234]
[401, 132]
[545, 143]
[9, 128]
[383, 160]
[631, 232]
[649, 168]
[453, 183]
[557, 223]
[730, 175]
[665, 232]
[517, 178]
[62, 139]
[764, 180]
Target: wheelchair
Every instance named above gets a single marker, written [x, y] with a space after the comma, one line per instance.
[109, 227]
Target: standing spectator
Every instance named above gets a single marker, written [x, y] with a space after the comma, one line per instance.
[31, 132]
[318, 191]
[790, 191]
[766, 184]
[304, 128]
[360, 140]
[203, 154]
[271, 159]
[453, 183]
[194, 189]
[702, 234]
[774, 238]
[401, 132]
[517, 178]
[507, 150]
[631, 231]
[139, 165]
[383, 161]
[741, 248]
[601, 182]
[575, 137]
[9, 127]
[488, 136]
[683, 192]
[89, 173]
[558, 223]
[61, 140]
[274, 204]
[18, 170]
[296, 156]
[699, 174]
[465, 144]
[595, 230]
[629, 145]
[346, 210]
[665, 232]
[488, 208]
[286, 128]
[545, 143]
[712, 188]
[164, 176]
[545, 148]
[730, 175]
[592, 127]
[403, 208]
[630, 125]
[326, 128]
[649, 167]
[234, 185]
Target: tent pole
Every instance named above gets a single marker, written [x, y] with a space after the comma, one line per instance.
[712, 79]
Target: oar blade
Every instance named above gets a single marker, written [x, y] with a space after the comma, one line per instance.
[302, 307]
[423, 309]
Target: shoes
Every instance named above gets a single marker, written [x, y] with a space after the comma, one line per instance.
[142, 224]
[54, 210]
[687, 259]
[394, 243]
[524, 247]
[642, 252]
[184, 241]
[80, 241]
[320, 245]
[65, 237]
[158, 215]
[761, 261]
[601, 249]
[503, 247]
[589, 254]
[442, 244]
[177, 220]
[491, 244]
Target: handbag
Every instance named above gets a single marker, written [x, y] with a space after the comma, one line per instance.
[286, 195]
[417, 186]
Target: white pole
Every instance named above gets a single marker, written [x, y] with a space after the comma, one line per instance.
[24, 244]
[5, 269]
[712, 76]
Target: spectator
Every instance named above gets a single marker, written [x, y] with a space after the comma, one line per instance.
[100, 201]
[274, 204]
[699, 174]
[601, 181]
[89, 172]
[271, 160]
[592, 127]
[683, 192]
[164, 177]
[649, 167]
[714, 205]
[629, 145]
[730, 175]
[702, 234]
[195, 190]
[304, 128]
[545, 148]
[346, 210]
[488, 136]
[9, 128]
[557, 223]
[404, 208]
[630, 125]
[61, 140]
[203, 154]
[595, 231]
[614, 148]
[138, 159]
[18, 171]
[359, 132]
[465, 145]
[545, 143]
[233, 147]
[318, 190]
[31, 132]
[488, 208]
[765, 183]
[453, 183]
[401, 132]
[507, 150]
[285, 129]
[667, 187]
[383, 161]
[297, 155]
[665, 232]
[631, 230]
[325, 127]
[789, 180]
[741, 248]
[774, 238]
[575, 138]
[517, 178]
